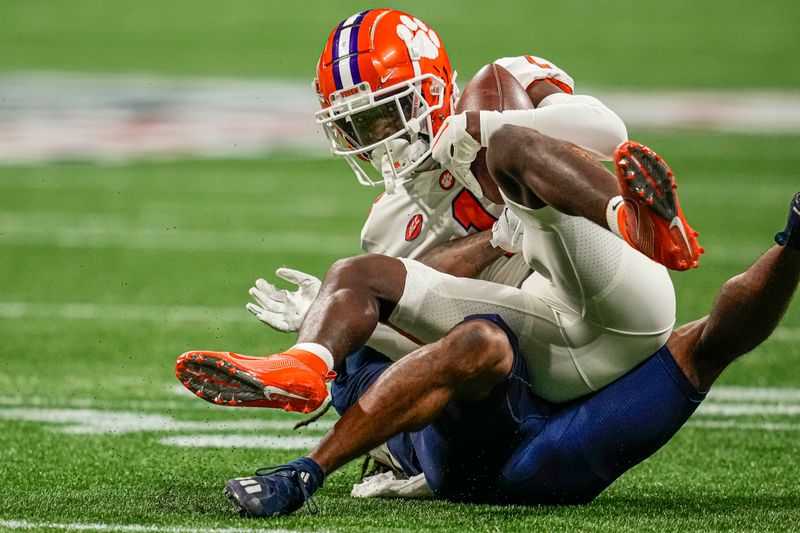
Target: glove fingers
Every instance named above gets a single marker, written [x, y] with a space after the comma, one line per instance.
[254, 309]
[301, 279]
[275, 321]
[264, 292]
[291, 275]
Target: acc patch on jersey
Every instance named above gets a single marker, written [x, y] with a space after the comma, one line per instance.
[446, 180]
[414, 227]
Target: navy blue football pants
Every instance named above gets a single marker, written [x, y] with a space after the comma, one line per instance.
[514, 447]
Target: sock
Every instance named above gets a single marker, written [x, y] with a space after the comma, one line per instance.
[790, 236]
[319, 350]
[615, 216]
[315, 476]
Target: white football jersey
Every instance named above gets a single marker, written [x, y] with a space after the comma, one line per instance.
[429, 210]
[433, 208]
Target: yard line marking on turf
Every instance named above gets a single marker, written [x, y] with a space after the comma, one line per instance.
[744, 409]
[241, 441]
[124, 312]
[39, 401]
[735, 424]
[756, 394]
[124, 236]
[718, 398]
[187, 313]
[298, 242]
[101, 422]
[135, 528]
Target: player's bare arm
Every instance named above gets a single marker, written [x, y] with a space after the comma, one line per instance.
[465, 257]
[639, 204]
[758, 298]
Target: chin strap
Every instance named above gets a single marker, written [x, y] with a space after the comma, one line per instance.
[393, 157]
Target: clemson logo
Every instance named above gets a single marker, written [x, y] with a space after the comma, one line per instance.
[414, 227]
[446, 180]
[421, 40]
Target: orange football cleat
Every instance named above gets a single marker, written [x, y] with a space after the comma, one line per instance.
[293, 380]
[651, 220]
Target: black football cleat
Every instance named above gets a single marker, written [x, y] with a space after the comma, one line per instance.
[790, 236]
[276, 491]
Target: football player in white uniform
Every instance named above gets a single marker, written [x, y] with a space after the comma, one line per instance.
[431, 207]
[597, 305]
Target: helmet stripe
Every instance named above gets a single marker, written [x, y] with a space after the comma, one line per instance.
[345, 43]
[337, 78]
[354, 72]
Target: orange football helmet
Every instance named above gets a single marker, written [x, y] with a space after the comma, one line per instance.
[385, 84]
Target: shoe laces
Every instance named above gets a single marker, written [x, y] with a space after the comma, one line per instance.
[316, 416]
[311, 505]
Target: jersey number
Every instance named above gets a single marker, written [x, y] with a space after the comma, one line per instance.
[470, 213]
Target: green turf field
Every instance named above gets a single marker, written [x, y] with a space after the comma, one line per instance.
[108, 272]
[142, 239]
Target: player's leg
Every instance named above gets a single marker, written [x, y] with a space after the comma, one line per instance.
[587, 444]
[640, 206]
[354, 376]
[575, 341]
[355, 295]
[466, 365]
[747, 310]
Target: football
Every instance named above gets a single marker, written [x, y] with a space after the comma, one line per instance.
[493, 88]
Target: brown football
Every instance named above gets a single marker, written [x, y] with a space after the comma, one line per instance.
[493, 88]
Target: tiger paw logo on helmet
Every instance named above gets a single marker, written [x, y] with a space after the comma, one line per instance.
[421, 40]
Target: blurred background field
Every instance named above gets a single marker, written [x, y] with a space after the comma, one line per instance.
[605, 43]
[112, 266]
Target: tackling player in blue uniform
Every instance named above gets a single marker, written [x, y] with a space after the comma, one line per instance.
[462, 411]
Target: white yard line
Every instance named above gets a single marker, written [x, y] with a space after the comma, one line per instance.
[62, 116]
[709, 408]
[241, 441]
[72, 236]
[736, 424]
[124, 312]
[104, 422]
[721, 397]
[179, 240]
[135, 528]
[159, 313]
[734, 393]
[182, 433]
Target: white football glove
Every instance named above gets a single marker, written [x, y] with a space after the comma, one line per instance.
[281, 309]
[455, 150]
[507, 232]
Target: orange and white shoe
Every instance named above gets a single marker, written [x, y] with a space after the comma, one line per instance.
[293, 380]
[651, 220]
